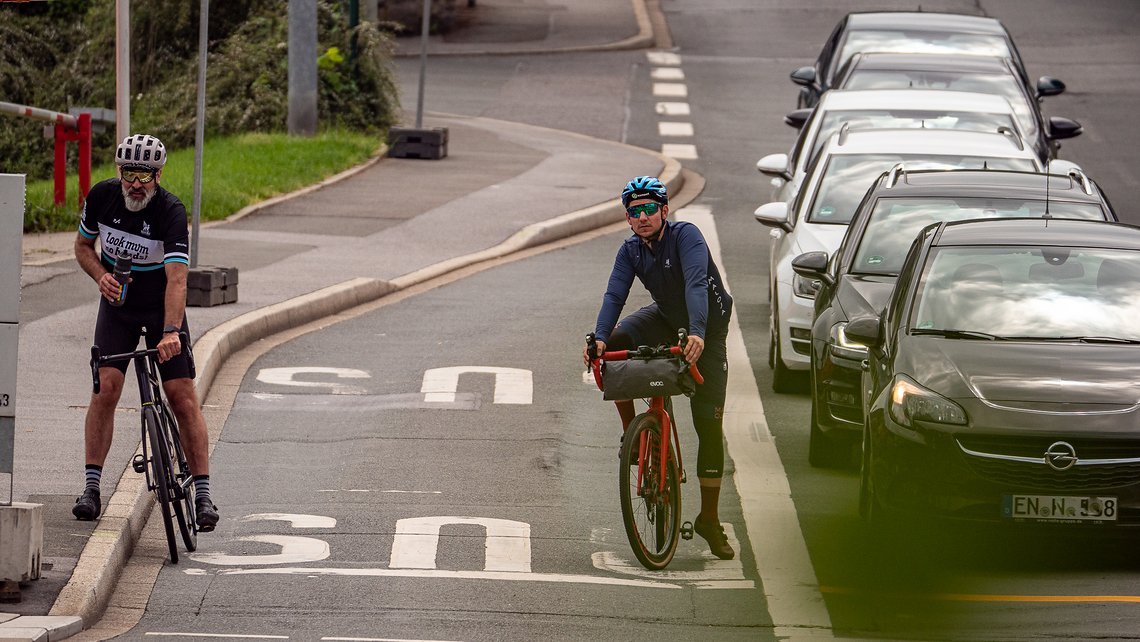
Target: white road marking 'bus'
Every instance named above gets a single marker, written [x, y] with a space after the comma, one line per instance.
[417, 541]
[330, 639]
[791, 588]
[712, 572]
[512, 385]
[294, 550]
[175, 634]
[295, 520]
[564, 578]
[284, 377]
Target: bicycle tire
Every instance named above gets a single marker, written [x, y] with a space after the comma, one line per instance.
[162, 475]
[651, 518]
[184, 504]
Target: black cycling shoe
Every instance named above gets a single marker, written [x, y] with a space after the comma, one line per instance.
[714, 535]
[207, 514]
[87, 506]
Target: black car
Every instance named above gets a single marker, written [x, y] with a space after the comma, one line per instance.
[857, 280]
[1003, 377]
[956, 72]
[913, 32]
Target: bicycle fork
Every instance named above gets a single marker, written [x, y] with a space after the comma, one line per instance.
[657, 407]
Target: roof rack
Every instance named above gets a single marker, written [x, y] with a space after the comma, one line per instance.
[1009, 133]
[1076, 173]
[893, 176]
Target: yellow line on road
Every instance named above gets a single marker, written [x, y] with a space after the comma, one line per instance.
[968, 597]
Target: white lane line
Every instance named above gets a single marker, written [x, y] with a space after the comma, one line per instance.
[667, 73]
[670, 89]
[680, 151]
[383, 640]
[791, 588]
[215, 635]
[674, 129]
[390, 490]
[663, 58]
[672, 109]
[563, 578]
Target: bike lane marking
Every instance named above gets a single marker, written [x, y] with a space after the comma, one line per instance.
[790, 586]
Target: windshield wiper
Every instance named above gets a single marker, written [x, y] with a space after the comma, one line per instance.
[1100, 340]
[957, 334]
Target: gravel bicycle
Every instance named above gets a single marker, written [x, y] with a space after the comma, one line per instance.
[162, 459]
[650, 471]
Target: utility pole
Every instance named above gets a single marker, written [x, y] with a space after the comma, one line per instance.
[122, 69]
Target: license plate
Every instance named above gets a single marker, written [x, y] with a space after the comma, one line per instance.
[1059, 508]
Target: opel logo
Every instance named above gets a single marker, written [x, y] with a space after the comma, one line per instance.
[1061, 455]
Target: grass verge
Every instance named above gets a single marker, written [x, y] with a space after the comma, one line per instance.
[236, 172]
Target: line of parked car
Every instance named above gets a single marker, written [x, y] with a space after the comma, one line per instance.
[963, 305]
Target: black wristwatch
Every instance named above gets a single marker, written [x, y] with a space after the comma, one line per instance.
[171, 328]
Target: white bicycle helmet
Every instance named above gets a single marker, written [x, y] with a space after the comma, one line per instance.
[141, 150]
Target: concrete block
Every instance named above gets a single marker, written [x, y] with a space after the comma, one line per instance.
[417, 143]
[9, 633]
[207, 286]
[58, 627]
[21, 541]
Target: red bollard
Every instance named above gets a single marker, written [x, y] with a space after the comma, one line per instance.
[82, 135]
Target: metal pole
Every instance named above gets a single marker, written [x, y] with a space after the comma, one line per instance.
[302, 117]
[423, 63]
[122, 69]
[199, 131]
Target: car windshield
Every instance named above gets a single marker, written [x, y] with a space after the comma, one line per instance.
[1026, 292]
[908, 118]
[895, 222]
[895, 41]
[1004, 85]
[847, 177]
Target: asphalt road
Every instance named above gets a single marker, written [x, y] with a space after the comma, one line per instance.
[539, 461]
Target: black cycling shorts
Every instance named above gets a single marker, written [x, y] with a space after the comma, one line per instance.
[117, 331]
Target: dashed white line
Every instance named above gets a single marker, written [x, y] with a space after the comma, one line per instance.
[674, 129]
[663, 58]
[670, 89]
[667, 73]
[182, 634]
[680, 151]
[673, 109]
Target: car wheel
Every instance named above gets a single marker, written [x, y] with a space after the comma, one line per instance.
[783, 379]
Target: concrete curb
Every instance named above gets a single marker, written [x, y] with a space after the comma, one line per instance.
[644, 39]
[100, 564]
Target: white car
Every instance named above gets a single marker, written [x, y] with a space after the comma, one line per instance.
[836, 181]
[881, 109]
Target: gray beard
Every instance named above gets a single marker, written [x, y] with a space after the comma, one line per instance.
[137, 205]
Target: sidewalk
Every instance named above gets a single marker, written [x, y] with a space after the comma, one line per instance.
[374, 230]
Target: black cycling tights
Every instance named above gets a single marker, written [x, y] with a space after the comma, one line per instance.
[708, 419]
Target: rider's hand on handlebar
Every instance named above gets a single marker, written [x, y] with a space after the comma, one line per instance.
[169, 347]
[601, 345]
[694, 346]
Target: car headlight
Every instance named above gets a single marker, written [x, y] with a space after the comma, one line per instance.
[841, 346]
[911, 402]
[806, 288]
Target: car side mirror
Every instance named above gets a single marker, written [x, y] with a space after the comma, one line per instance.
[774, 165]
[804, 76]
[797, 118]
[1049, 86]
[810, 265]
[773, 214]
[864, 330]
[1061, 128]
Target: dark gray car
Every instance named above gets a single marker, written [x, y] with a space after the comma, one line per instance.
[1003, 377]
[857, 280]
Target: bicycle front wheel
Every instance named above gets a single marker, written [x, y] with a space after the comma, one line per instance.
[161, 474]
[184, 499]
[650, 510]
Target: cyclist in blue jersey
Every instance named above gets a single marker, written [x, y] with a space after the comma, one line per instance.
[672, 261]
[133, 216]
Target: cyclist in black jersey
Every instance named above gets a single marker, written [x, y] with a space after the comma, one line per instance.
[673, 262]
[132, 215]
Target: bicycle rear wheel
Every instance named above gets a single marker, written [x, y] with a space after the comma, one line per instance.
[651, 514]
[162, 474]
[184, 480]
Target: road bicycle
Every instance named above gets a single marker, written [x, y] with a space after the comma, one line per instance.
[162, 459]
[650, 470]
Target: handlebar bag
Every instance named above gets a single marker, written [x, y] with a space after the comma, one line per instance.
[641, 378]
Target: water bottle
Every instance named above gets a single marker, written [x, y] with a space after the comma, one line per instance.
[122, 274]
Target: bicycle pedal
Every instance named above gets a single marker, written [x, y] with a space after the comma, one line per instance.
[684, 477]
[139, 463]
[687, 530]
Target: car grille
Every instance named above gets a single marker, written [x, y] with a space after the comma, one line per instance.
[998, 468]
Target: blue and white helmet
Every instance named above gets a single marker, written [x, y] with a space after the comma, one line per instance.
[644, 187]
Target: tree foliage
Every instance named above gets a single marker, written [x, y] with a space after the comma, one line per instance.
[61, 54]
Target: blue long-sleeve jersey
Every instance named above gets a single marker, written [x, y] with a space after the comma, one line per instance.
[680, 275]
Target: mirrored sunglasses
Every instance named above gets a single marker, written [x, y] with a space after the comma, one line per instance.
[646, 209]
[141, 175]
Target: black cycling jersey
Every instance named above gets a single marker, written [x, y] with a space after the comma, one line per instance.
[153, 237]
